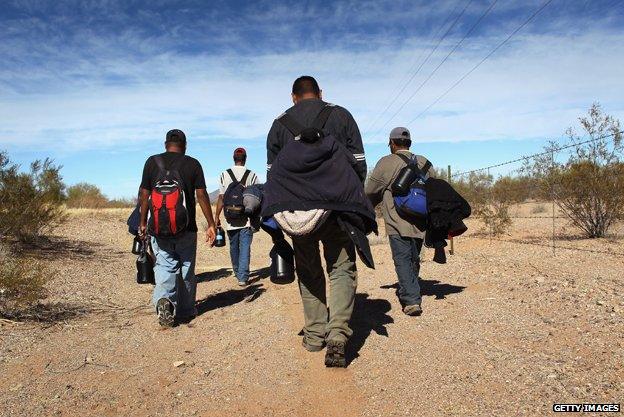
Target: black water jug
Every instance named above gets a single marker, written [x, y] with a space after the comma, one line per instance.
[137, 245]
[407, 175]
[282, 263]
[220, 238]
[145, 267]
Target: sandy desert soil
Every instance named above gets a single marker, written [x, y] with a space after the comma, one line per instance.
[508, 329]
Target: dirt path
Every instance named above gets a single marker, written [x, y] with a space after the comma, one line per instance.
[507, 330]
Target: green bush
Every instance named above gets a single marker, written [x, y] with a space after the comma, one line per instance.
[490, 201]
[32, 202]
[83, 195]
[588, 187]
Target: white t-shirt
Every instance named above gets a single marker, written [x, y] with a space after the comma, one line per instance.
[225, 180]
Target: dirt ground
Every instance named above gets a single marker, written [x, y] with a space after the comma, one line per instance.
[508, 329]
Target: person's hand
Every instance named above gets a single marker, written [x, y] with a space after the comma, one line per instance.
[211, 235]
[218, 222]
[143, 231]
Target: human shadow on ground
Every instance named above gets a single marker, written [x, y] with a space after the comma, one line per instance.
[369, 314]
[259, 274]
[59, 247]
[228, 298]
[430, 287]
[47, 313]
[213, 275]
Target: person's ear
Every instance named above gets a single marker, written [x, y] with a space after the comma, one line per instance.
[294, 98]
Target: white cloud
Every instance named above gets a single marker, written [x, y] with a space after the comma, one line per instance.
[96, 95]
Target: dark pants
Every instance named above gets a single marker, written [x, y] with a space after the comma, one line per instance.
[406, 256]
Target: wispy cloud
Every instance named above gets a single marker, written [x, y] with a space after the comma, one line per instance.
[97, 75]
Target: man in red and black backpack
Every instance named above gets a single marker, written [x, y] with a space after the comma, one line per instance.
[171, 182]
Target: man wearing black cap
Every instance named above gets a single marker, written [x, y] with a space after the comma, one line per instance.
[239, 231]
[175, 255]
[406, 239]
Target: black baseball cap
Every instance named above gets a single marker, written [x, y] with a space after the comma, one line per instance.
[175, 136]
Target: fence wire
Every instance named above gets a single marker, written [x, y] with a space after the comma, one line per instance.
[541, 194]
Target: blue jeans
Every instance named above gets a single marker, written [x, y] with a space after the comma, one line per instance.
[240, 252]
[406, 256]
[174, 272]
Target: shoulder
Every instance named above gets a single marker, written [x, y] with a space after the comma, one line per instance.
[288, 110]
[191, 160]
[339, 110]
[387, 162]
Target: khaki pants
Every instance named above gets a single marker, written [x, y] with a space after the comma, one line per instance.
[323, 323]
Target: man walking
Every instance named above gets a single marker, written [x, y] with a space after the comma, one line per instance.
[239, 230]
[326, 324]
[170, 185]
[406, 239]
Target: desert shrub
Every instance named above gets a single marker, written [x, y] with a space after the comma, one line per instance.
[22, 282]
[84, 195]
[121, 203]
[589, 186]
[538, 209]
[490, 201]
[31, 201]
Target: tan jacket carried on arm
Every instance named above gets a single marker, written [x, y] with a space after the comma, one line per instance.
[378, 191]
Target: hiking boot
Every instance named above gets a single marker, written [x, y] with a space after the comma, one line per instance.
[164, 309]
[312, 348]
[413, 310]
[335, 355]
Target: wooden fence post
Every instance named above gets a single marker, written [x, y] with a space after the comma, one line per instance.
[452, 244]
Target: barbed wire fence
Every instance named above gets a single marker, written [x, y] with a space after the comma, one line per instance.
[535, 197]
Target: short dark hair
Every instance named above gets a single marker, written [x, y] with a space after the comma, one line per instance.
[175, 136]
[240, 158]
[305, 85]
[402, 143]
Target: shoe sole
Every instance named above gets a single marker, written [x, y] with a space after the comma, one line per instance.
[165, 317]
[335, 356]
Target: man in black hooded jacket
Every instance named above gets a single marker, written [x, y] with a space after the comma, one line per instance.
[325, 323]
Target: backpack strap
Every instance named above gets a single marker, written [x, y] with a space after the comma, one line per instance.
[232, 176]
[291, 124]
[244, 179]
[160, 163]
[321, 118]
[413, 161]
[296, 128]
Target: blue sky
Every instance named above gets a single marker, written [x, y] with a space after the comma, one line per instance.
[96, 84]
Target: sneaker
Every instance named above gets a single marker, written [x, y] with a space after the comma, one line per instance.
[164, 309]
[243, 283]
[312, 348]
[413, 310]
[335, 355]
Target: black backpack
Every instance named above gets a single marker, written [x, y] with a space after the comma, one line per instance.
[167, 203]
[307, 134]
[233, 207]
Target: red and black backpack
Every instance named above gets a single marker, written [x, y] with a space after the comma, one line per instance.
[168, 214]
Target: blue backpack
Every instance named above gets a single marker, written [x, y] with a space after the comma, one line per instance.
[408, 190]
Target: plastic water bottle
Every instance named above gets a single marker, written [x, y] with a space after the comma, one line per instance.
[220, 238]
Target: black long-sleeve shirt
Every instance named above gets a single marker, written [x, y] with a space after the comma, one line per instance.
[340, 124]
